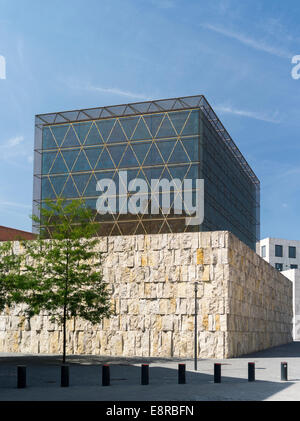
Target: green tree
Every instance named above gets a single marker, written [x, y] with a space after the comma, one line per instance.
[10, 274]
[62, 270]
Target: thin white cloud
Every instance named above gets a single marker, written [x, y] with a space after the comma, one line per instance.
[14, 150]
[250, 42]
[12, 142]
[119, 92]
[250, 114]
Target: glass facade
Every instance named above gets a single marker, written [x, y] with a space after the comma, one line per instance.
[166, 139]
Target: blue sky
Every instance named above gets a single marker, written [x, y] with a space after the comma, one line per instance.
[71, 54]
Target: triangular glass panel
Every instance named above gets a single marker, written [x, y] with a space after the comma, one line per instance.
[141, 132]
[165, 228]
[93, 112]
[70, 115]
[178, 154]
[116, 135]
[105, 127]
[92, 155]
[82, 116]
[104, 161]
[166, 147]
[179, 171]
[60, 119]
[59, 133]
[127, 228]
[47, 118]
[47, 161]
[82, 163]
[140, 230]
[58, 183]
[90, 204]
[192, 101]
[81, 181]
[152, 227]
[105, 174]
[153, 122]
[153, 108]
[91, 187]
[82, 130]
[193, 173]
[105, 113]
[166, 129]
[141, 107]
[153, 157]
[69, 190]
[59, 165]
[129, 159]
[93, 137]
[129, 125]
[140, 150]
[153, 174]
[128, 110]
[48, 139]
[133, 174]
[166, 104]
[165, 174]
[116, 153]
[118, 110]
[192, 148]
[192, 125]
[116, 230]
[70, 139]
[70, 157]
[47, 190]
[178, 105]
[178, 120]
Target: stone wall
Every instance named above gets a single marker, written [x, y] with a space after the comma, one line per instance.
[244, 304]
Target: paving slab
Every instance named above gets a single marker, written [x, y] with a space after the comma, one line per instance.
[43, 378]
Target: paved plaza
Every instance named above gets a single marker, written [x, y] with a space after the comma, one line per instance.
[43, 378]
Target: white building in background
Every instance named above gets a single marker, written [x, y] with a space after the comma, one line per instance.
[294, 276]
[282, 254]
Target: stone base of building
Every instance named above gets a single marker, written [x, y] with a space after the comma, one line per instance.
[244, 304]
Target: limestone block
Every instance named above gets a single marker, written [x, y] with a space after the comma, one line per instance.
[206, 273]
[129, 343]
[2, 323]
[167, 323]
[204, 239]
[116, 344]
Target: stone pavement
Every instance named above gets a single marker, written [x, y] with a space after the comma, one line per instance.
[43, 378]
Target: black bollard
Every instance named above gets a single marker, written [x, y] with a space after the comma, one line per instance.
[217, 373]
[181, 373]
[284, 368]
[105, 375]
[145, 374]
[64, 376]
[251, 372]
[21, 370]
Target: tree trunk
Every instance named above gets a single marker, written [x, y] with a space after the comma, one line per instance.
[64, 334]
[65, 308]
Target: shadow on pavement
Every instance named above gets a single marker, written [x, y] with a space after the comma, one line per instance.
[290, 350]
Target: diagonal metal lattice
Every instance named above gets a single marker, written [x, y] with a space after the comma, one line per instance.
[153, 139]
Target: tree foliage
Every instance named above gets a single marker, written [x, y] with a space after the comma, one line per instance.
[10, 274]
[62, 269]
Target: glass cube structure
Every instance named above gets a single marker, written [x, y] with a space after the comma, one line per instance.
[180, 138]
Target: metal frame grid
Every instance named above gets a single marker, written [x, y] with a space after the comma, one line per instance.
[135, 109]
